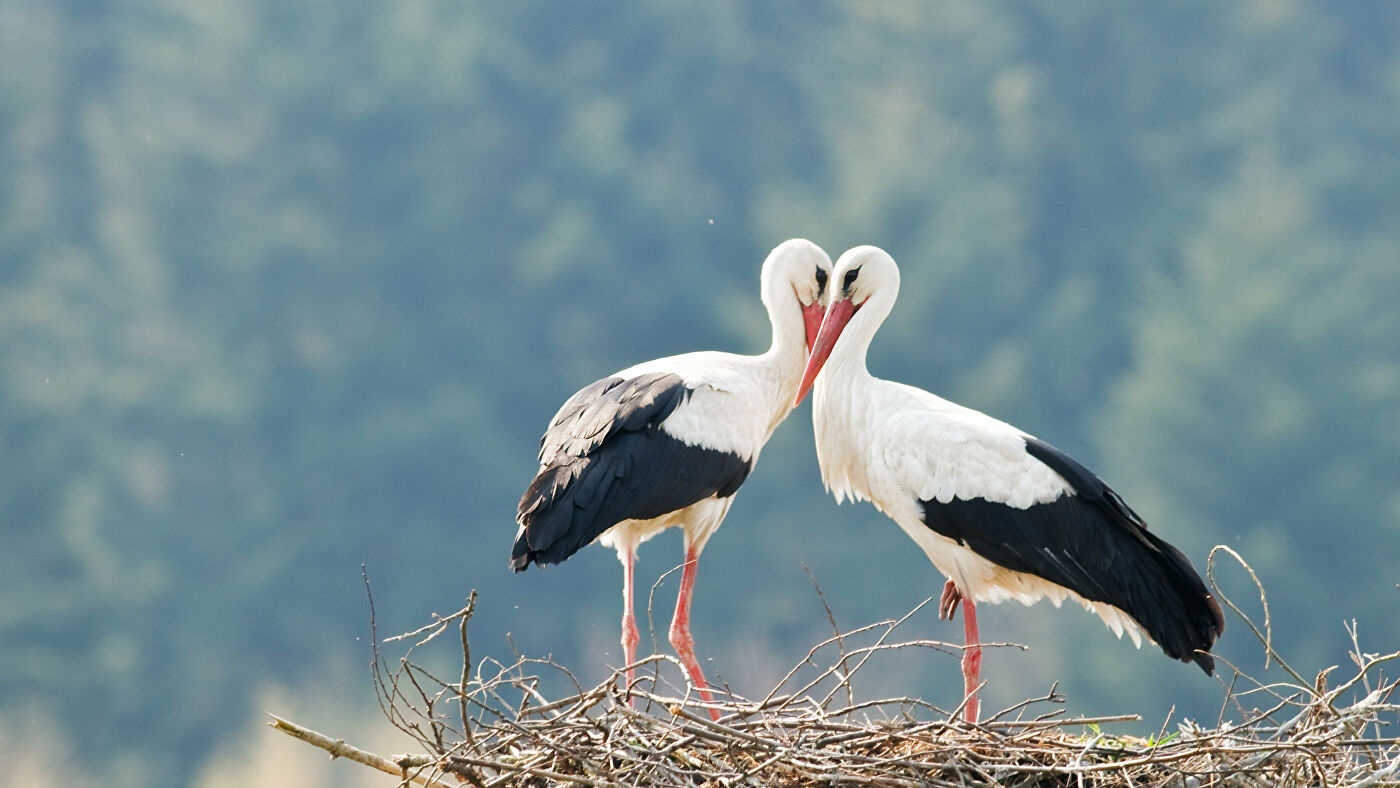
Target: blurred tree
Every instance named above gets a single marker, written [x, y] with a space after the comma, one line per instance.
[1263, 409]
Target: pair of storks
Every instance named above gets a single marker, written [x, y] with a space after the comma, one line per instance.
[1004, 515]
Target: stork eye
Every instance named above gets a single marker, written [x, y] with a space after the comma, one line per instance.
[821, 281]
[850, 278]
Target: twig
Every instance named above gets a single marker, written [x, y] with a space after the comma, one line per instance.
[836, 630]
[1266, 637]
[466, 614]
[339, 749]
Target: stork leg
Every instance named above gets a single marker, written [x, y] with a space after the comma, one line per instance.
[681, 639]
[630, 636]
[972, 659]
[972, 648]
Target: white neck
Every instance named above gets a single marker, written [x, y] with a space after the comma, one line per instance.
[787, 353]
[789, 338]
[780, 368]
[838, 399]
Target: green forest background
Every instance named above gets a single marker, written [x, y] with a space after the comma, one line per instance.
[286, 288]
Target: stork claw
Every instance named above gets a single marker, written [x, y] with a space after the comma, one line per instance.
[948, 602]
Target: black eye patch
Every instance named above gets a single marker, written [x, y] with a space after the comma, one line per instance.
[850, 278]
[821, 281]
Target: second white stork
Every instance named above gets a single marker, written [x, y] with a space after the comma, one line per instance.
[667, 443]
[1002, 514]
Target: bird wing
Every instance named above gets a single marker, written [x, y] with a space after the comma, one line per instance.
[1023, 505]
[610, 454]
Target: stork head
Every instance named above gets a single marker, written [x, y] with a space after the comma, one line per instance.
[797, 269]
[864, 275]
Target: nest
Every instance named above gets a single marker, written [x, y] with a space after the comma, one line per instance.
[492, 727]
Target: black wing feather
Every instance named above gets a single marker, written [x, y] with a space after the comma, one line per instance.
[604, 459]
[1092, 543]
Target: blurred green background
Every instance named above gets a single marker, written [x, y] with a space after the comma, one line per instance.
[289, 287]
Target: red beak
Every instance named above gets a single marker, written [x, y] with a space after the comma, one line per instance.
[812, 319]
[837, 316]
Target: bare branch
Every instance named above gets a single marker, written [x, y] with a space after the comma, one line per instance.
[339, 749]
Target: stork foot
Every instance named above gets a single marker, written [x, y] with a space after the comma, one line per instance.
[948, 602]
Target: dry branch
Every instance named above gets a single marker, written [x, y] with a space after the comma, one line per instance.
[405, 767]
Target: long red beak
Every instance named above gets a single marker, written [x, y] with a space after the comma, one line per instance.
[837, 316]
[812, 319]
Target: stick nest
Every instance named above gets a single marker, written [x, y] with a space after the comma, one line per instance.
[492, 727]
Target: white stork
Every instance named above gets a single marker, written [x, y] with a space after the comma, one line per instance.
[1002, 514]
[668, 442]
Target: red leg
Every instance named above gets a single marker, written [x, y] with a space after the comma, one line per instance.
[972, 659]
[681, 639]
[630, 636]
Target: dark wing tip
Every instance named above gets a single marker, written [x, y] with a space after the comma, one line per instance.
[1218, 615]
[1208, 627]
[1213, 632]
[1201, 624]
[1205, 660]
[521, 555]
